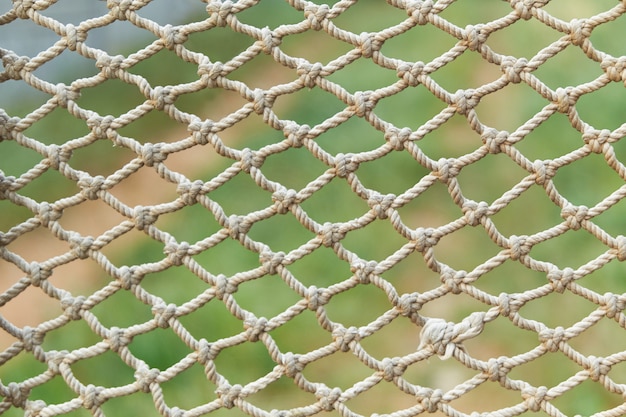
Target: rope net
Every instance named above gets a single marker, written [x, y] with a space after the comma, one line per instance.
[292, 209]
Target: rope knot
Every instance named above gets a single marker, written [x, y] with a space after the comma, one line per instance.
[189, 191]
[508, 304]
[513, 68]
[91, 396]
[271, 261]
[163, 314]
[57, 155]
[291, 364]
[260, 101]
[525, 8]
[411, 73]
[151, 154]
[23, 8]
[284, 199]
[363, 271]
[443, 338]
[210, 71]
[408, 304]
[612, 304]
[380, 204]
[345, 164]
[143, 217]
[316, 297]
[172, 36]
[309, 73]
[120, 8]
[620, 248]
[229, 394]
[543, 170]
[73, 306]
[81, 245]
[495, 140]
[205, 352]
[316, 15]
[145, 377]
[431, 401]
[255, 327]
[73, 36]
[176, 252]
[160, 97]
[117, 339]
[574, 216]
[37, 274]
[7, 124]
[560, 279]
[518, 247]
[474, 36]
[474, 212]
[368, 44]
[398, 137]
[220, 11]
[579, 31]
[331, 233]
[564, 99]
[425, 237]
[13, 65]
[597, 367]
[100, 126]
[452, 279]
[269, 41]
[328, 397]
[127, 277]
[497, 368]
[343, 337]
[464, 101]
[16, 394]
[46, 213]
[419, 10]
[65, 94]
[446, 169]
[31, 338]
[296, 134]
[237, 226]
[110, 65]
[250, 159]
[91, 186]
[552, 338]
[534, 397]
[615, 68]
[361, 104]
[6, 184]
[223, 286]
[597, 140]
[201, 130]
[392, 368]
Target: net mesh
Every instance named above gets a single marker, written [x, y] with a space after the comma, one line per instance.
[198, 272]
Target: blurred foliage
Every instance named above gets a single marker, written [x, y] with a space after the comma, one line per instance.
[584, 182]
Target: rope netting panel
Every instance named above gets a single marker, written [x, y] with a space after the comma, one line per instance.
[285, 208]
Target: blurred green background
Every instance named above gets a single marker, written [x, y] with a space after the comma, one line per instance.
[587, 181]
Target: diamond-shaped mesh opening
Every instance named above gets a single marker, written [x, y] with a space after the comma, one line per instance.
[134, 312]
[587, 398]
[607, 98]
[109, 367]
[552, 70]
[586, 190]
